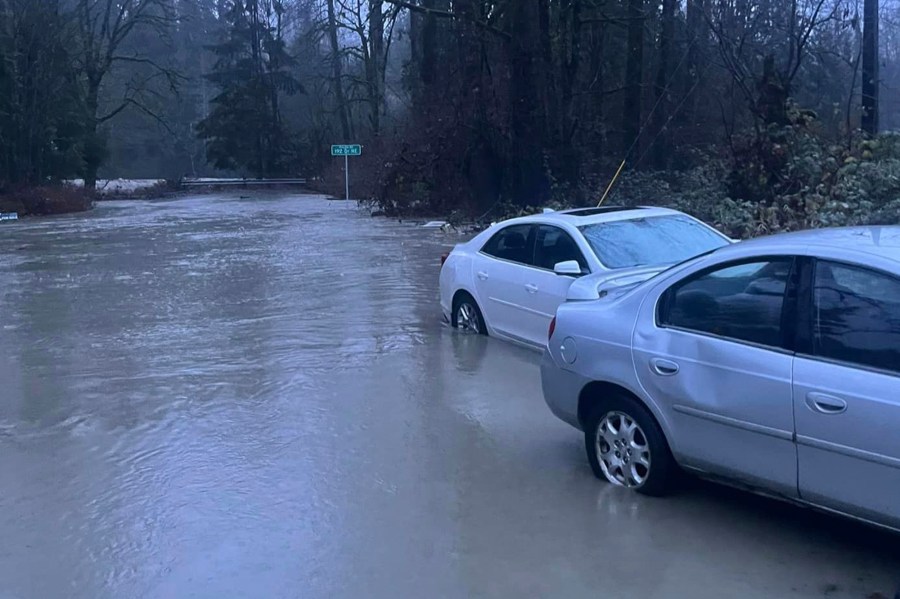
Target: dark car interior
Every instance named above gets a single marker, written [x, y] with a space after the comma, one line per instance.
[741, 307]
[554, 246]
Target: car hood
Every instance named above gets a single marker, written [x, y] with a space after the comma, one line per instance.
[597, 285]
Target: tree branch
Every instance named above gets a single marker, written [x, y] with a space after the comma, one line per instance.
[446, 14]
[172, 77]
[141, 107]
[801, 43]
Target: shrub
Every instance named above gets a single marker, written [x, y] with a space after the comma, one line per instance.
[45, 200]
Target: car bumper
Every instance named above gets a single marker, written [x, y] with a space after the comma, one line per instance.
[562, 389]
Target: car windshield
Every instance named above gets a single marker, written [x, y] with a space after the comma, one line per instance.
[651, 241]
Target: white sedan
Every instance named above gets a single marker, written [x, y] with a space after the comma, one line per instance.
[509, 280]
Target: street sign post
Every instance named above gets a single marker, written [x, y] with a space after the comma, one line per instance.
[346, 150]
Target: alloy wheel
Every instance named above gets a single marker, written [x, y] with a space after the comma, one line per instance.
[623, 450]
[467, 318]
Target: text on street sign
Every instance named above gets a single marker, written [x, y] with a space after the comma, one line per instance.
[346, 150]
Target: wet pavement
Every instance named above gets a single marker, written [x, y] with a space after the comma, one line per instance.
[225, 397]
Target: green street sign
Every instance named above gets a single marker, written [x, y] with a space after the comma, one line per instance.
[346, 150]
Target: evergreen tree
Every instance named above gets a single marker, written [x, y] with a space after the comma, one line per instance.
[244, 130]
[40, 113]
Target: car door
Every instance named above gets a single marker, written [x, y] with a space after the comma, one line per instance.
[711, 350]
[545, 289]
[500, 272]
[847, 392]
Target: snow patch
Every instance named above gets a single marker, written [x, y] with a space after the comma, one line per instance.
[120, 186]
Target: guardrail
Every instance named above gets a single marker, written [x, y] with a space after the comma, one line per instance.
[239, 182]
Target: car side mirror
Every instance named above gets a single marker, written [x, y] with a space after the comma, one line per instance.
[569, 268]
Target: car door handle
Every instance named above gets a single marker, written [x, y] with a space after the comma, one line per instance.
[531, 288]
[482, 275]
[825, 404]
[663, 367]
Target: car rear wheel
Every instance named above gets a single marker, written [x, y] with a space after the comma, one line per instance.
[467, 316]
[626, 447]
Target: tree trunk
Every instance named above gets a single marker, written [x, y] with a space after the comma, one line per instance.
[870, 80]
[634, 75]
[773, 94]
[547, 68]
[275, 141]
[661, 115]
[375, 68]
[94, 150]
[428, 66]
[596, 80]
[696, 40]
[415, 55]
[337, 74]
[570, 50]
[529, 184]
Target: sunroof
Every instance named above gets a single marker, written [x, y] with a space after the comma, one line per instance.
[600, 210]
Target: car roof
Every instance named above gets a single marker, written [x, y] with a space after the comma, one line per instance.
[588, 216]
[883, 241]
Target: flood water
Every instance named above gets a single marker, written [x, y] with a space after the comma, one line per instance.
[226, 397]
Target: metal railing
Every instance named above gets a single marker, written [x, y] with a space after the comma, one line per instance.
[239, 182]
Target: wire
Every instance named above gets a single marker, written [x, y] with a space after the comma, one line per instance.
[637, 137]
[669, 120]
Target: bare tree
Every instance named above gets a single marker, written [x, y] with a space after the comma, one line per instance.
[870, 79]
[103, 28]
[752, 33]
[337, 80]
[375, 63]
[663, 74]
[634, 74]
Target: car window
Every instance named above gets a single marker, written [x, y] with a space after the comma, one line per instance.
[553, 245]
[742, 302]
[856, 316]
[651, 241]
[511, 244]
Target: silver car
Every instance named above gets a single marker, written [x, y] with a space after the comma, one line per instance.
[773, 364]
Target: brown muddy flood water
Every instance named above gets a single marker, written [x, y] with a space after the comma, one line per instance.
[225, 397]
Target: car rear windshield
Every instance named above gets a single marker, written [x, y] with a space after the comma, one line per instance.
[651, 241]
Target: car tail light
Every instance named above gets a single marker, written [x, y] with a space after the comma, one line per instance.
[552, 329]
[444, 258]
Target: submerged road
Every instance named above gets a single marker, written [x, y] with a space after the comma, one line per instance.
[217, 397]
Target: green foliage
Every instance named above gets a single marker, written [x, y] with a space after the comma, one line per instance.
[812, 183]
[866, 188]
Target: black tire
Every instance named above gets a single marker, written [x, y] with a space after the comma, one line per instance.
[465, 303]
[660, 477]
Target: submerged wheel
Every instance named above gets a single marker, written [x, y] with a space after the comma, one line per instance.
[467, 316]
[626, 447]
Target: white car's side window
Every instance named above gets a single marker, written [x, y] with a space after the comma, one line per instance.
[553, 245]
[512, 243]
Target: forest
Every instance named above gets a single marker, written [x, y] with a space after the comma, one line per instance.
[756, 115]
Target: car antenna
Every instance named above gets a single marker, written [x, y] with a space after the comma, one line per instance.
[611, 183]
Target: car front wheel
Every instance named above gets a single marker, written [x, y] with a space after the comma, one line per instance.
[626, 447]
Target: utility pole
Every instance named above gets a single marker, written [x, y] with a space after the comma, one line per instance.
[870, 80]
